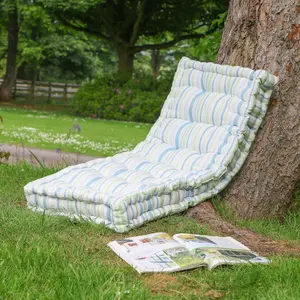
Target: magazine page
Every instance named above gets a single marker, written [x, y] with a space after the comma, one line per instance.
[156, 252]
[217, 251]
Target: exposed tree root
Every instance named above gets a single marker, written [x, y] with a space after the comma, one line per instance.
[207, 214]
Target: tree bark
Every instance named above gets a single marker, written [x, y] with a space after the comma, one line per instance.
[125, 63]
[156, 61]
[265, 34]
[11, 64]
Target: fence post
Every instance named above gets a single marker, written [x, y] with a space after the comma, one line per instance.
[29, 88]
[49, 92]
[65, 92]
[33, 90]
[14, 90]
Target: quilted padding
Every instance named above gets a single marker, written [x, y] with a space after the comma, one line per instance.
[199, 142]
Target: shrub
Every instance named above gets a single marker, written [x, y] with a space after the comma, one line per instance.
[137, 100]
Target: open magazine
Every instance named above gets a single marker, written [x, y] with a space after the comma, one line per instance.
[160, 252]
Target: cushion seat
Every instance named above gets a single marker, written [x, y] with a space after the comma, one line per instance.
[197, 145]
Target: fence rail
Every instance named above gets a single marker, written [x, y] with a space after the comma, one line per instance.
[39, 90]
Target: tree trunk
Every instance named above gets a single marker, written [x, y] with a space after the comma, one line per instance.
[156, 60]
[265, 34]
[125, 63]
[11, 64]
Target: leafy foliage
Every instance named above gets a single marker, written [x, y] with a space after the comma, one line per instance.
[137, 100]
[47, 48]
[48, 51]
[128, 26]
[206, 49]
[109, 31]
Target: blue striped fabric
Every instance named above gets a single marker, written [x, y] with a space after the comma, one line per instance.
[197, 145]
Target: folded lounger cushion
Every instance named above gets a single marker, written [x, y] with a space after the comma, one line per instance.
[196, 146]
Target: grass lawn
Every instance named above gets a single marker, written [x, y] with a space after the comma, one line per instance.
[44, 257]
[48, 130]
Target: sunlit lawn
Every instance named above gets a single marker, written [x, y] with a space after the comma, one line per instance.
[49, 130]
[44, 257]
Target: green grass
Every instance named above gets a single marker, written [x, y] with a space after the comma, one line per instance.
[48, 130]
[44, 257]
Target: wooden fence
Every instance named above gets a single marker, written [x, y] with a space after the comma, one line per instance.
[46, 91]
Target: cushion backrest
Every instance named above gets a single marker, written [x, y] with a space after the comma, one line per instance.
[211, 106]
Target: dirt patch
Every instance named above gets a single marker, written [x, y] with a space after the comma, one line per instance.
[207, 214]
[21, 204]
[213, 294]
[170, 285]
[161, 283]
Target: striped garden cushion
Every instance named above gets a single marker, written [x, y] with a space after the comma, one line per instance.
[199, 142]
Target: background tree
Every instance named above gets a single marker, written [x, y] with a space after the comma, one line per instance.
[51, 52]
[163, 63]
[125, 23]
[3, 44]
[11, 62]
[265, 34]
[46, 50]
